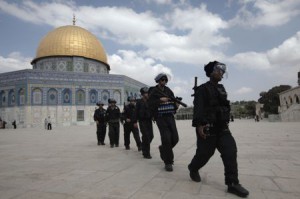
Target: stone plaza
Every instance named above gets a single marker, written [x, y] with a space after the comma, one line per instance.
[67, 163]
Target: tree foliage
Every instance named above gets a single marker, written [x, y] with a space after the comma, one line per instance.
[270, 99]
[243, 109]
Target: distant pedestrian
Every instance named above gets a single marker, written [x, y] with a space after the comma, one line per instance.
[4, 124]
[49, 126]
[14, 124]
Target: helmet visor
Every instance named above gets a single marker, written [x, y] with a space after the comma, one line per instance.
[221, 68]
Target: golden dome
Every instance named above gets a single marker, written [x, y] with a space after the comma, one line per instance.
[71, 41]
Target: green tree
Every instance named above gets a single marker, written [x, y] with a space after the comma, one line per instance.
[270, 99]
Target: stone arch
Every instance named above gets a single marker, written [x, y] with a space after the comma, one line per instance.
[52, 96]
[37, 96]
[80, 97]
[11, 97]
[290, 100]
[93, 96]
[21, 97]
[2, 98]
[66, 96]
[297, 99]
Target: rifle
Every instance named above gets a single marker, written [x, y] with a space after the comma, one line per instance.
[195, 86]
[174, 99]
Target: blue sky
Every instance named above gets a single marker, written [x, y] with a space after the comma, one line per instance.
[259, 40]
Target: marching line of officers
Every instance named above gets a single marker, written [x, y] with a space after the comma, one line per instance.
[210, 119]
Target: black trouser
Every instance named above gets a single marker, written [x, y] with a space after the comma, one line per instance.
[147, 135]
[101, 132]
[49, 126]
[169, 138]
[128, 128]
[114, 133]
[222, 140]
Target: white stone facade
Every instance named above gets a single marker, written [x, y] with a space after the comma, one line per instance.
[290, 105]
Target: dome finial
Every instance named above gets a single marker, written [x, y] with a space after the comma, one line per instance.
[74, 20]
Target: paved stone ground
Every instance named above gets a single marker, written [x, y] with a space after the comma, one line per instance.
[66, 163]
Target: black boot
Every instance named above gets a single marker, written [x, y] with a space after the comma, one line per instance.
[147, 156]
[194, 175]
[169, 167]
[238, 190]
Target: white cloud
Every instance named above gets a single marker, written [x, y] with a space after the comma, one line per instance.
[266, 13]
[203, 28]
[160, 1]
[126, 26]
[281, 62]
[131, 64]
[251, 60]
[14, 61]
[285, 55]
[243, 90]
[288, 53]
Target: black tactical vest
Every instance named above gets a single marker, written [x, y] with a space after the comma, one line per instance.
[218, 109]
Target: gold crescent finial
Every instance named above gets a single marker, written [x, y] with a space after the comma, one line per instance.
[74, 20]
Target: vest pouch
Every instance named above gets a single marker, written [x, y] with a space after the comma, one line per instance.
[224, 114]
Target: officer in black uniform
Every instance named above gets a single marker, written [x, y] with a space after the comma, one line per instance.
[145, 122]
[113, 119]
[100, 119]
[130, 124]
[211, 118]
[163, 110]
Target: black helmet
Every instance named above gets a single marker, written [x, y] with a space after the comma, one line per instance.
[131, 98]
[209, 68]
[144, 90]
[112, 100]
[99, 103]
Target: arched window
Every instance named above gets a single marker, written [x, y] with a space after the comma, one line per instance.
[104, 96]
[80, 97]
[11, 98]
[117, 97]
[66, 97]
[290, 100]
[52, 97]
[2, 95]
[21, 100]
[37, 96]
[93, 96]
[297, 99]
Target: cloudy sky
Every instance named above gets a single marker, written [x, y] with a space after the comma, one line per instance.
[259, 40]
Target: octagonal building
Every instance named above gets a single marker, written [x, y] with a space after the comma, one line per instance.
[70, 74]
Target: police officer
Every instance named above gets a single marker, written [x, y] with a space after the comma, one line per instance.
[145, 122]
[130, 124]
[163, 110]
[100, 119]
[211, 118]
[113, 119]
